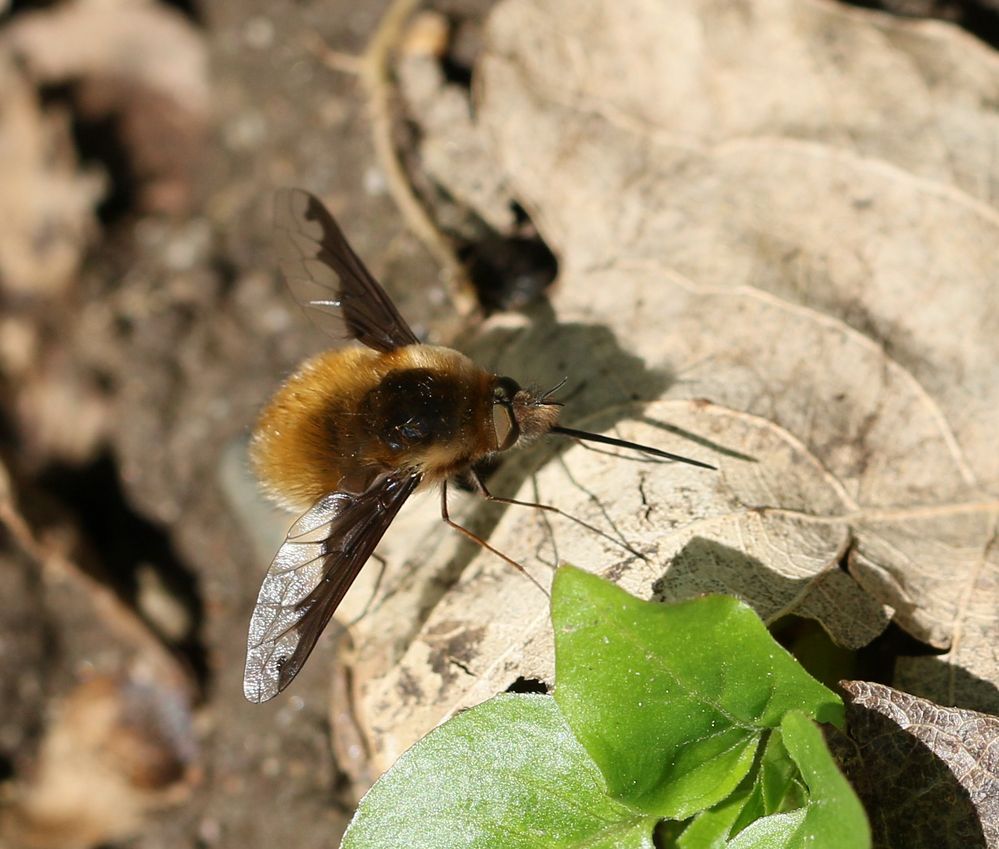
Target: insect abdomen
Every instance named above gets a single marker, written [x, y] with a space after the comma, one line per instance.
[306, 443]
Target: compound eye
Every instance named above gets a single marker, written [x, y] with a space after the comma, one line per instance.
[504, 390]
[505, 426]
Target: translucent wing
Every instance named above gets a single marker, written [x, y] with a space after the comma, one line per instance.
[312, 571]
[329, 280]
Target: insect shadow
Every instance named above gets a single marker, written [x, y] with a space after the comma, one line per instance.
[703, 562]
[603, 379]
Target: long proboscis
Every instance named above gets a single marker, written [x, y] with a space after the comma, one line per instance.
[623, 443]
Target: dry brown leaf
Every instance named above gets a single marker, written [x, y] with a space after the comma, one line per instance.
[929, 775]
[916, 94]
[781, 207]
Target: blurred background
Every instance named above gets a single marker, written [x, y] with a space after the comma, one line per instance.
[142, 327]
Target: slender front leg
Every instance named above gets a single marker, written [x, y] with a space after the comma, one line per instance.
[475, 538]
[382, 563]
[480, 485]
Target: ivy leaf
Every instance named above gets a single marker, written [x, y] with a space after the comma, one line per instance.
[832, 816]
[710, 829]
[507, 774]
[772, 787]
[671, 700]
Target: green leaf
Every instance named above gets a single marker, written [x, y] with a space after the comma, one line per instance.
[507, 774]
[768, 789]
[710, 829]
[832, 816]
[670, 700]
[775, 787]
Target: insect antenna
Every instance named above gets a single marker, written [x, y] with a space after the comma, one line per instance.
[622, 443]
[545, 399]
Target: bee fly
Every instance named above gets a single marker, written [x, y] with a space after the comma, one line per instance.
[353, 433]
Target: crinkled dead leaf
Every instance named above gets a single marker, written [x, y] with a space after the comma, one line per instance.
[784, 210]
[931, 773]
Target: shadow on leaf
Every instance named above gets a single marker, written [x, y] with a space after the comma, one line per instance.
[912, 797]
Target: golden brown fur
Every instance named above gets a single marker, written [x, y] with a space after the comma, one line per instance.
[313, 437]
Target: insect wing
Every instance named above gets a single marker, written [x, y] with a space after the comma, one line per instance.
[312, 571]
[328, 278]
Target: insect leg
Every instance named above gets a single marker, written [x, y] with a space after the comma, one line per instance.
[480, 485]
[475, 538]
[382, 563]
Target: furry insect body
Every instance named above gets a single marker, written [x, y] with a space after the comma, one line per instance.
[355, 431]
[346, 416]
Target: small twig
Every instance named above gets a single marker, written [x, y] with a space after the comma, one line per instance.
[374, 69]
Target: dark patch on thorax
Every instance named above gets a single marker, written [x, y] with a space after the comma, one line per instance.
[417, 407]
